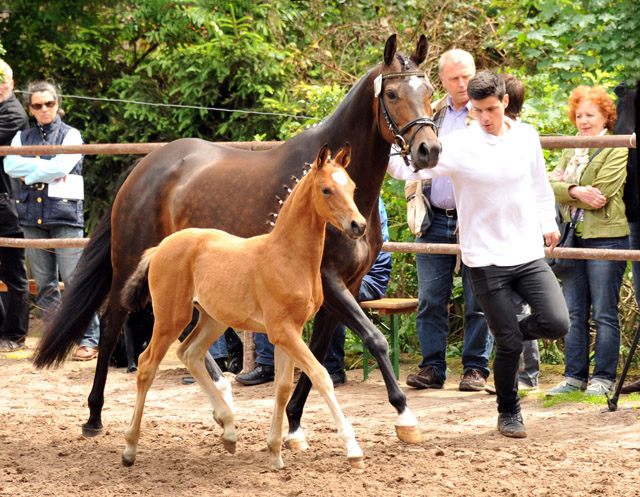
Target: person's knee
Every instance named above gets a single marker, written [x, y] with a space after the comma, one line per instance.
[556, 326]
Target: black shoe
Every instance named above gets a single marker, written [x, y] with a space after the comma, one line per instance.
[222, 364]
[236, 358]
[338, 378]
[511, 425]
[257, 376]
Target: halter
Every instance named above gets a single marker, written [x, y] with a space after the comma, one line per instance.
[419, 122]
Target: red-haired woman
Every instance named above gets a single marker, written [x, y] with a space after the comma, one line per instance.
[592, 180]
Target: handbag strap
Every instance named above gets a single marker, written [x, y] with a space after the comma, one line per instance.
[574, 218]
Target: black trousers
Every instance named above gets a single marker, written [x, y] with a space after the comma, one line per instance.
[549, 318]
[14, 304]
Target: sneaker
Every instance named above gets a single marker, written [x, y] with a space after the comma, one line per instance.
[338, 378]
[84, 353]
[562, 387]
[7, 345]
[257, 376]
[426, 378]
[598, 388]
[472, 381]
[511, 425]
[525, 387]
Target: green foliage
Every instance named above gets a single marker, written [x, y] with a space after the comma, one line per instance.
[593, 41]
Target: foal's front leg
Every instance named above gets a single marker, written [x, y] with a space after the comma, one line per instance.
[283, 386]
[294, 347]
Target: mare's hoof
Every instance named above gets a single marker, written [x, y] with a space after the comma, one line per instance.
[126, 463]
[296, 445]
[409, 434]
[229, 446]
[91, 431]
[132, 369]
[357, 462]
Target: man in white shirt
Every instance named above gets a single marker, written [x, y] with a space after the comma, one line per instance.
[436, 271]
[505, 210]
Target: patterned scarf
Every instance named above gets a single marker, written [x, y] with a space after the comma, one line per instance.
[573, 173]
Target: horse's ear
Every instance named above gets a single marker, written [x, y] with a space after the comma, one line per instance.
[343, 157]
[420, 53]
[390, 50]
[323, 155]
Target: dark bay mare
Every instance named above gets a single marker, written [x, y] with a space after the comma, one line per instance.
[195, 183]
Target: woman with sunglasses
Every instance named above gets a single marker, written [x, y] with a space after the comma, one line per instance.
[50, 202]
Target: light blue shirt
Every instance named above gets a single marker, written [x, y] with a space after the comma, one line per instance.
[442, 195]
[36, 170]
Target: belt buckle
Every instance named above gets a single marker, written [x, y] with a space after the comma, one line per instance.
[450, 213]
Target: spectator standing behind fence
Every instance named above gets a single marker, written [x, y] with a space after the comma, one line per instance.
[506, 209]
[592, 180]
[435, 271]
[50, 203]
[530, 360]
[14, 306]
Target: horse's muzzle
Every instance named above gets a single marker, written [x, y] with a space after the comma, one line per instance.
[425, 154]
[356, 229]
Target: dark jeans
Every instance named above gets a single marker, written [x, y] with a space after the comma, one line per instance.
[435, 283]
[634, 244]
[591, 289]
[549, 318]
[14, 304]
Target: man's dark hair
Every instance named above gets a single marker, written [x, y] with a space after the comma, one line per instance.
[486, 84]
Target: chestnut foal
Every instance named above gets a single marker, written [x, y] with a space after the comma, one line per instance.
[269, 283]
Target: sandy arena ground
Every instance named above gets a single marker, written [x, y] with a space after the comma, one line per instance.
[572, 449]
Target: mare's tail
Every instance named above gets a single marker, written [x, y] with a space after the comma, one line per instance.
[135, 294]
[82, 299]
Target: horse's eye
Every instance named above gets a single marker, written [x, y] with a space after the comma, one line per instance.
[326, 191]
[391, 95]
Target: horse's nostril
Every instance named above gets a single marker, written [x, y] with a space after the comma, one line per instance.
[357, 228]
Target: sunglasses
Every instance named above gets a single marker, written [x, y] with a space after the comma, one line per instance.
[49, 105]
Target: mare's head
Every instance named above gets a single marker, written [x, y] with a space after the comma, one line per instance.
[403, 98]
[332, 192]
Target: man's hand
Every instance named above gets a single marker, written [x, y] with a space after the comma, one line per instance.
[551, 240]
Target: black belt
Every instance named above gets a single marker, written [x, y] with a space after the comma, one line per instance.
[445, 212]
[37, 186]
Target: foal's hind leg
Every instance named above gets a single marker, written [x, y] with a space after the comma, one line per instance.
[293, 345]
[192, 353]
[148, 365]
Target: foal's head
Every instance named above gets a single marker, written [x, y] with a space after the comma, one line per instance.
[333, 189]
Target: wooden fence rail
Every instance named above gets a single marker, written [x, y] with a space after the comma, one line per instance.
[548, 142]
[404, 247]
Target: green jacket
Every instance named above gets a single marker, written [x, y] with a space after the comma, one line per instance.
[607, 172]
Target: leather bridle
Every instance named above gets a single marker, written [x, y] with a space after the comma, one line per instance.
[403, 145]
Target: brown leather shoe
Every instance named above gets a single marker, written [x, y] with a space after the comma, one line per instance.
[84, 353]
[634, 386]
[472, 381]
[426, 378]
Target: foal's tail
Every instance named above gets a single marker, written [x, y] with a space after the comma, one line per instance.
[135, 294]
[83, 298]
